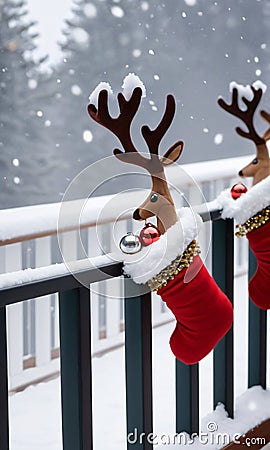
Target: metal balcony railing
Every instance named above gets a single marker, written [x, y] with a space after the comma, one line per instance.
[75, 344]
[30, 236]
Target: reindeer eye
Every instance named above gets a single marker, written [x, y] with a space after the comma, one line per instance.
[255, 161]
[154, 198]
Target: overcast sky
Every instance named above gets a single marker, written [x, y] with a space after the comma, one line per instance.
[50, 15]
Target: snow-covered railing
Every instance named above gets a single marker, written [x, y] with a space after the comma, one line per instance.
[75, 339]
[28, 238]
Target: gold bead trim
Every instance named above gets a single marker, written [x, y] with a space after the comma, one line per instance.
[254, 222]
[171, 271]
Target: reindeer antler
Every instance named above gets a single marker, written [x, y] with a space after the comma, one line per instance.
[120, 126]
[247, 115]
[159, 203]
[154, 137]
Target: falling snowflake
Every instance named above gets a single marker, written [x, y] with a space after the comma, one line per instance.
[76, 90]
[32, 84]
[80, 36]
[90, 10]
[117, 12]
[145, 6]
[218, 139]
[87, 136]
[136, 52]
[15, 162]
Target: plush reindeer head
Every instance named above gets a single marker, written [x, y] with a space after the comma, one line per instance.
[159, 203]
[259, 168]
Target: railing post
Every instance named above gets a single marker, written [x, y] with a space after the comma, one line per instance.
[257, 337]
[4, 428]
[223, 273]
[76, 373]
[187, 398]
[138, 351]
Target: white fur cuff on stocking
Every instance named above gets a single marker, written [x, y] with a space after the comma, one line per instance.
[246, 206]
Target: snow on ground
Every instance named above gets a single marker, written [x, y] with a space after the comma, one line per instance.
[252, 408]
[35, 421]
[36, 418]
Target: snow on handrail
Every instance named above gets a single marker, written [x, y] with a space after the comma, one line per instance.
[26, 276]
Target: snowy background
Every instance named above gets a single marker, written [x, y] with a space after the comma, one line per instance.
[192, 48]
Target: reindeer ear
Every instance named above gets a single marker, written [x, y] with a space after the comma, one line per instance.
[266, 135]
[172, 154]
[265, 115]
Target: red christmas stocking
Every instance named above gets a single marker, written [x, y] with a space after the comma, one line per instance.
[170, 266]
[251, 212]
[203, 312]
[259, 242]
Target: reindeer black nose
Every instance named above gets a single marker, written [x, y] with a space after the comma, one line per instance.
[240, 173]
[136, 214]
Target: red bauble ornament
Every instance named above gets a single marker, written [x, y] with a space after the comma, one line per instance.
[237, 190]
[149, 234]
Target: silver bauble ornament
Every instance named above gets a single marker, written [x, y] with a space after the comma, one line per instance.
[130, 243]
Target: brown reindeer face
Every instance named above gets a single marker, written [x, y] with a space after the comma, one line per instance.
[258, 169]
[154, 206]
[159, 202]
